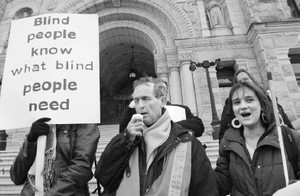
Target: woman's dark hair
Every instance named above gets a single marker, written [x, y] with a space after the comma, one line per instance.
[246, 72]
[265, 103]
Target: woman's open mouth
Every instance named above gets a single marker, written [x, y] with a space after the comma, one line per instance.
[246, 115]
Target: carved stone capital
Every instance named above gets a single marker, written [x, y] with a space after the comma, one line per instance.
[209, 4]
[52, 5]
[173, 63]
[162, 70]
[171, 69]
[185, 56]
[116, 3]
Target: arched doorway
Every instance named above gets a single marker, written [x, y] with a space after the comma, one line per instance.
[116, 85]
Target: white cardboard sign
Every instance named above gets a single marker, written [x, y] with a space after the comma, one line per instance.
[177, 113]
[51, 70]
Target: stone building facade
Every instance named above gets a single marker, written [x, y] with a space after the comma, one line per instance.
[166, 35]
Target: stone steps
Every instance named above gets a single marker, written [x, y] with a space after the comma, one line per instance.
[7, 188]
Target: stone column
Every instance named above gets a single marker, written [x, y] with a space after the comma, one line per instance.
[162, 72]
[175, 86]
[164, 77]
[4, 36]
[188, 90]
[235, 26]
[201, 10]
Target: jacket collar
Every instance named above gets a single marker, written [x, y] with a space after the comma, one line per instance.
[270, 137]
[177, 131]
[234, 135]
[178, 134]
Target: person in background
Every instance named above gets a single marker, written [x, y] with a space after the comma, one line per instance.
[154, 155]
[249, 161]
[68, 164]
[3, 140]
[192, 122]
[242, 75]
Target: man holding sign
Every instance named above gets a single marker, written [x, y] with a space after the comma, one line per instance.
[67, 164]
[56, 75]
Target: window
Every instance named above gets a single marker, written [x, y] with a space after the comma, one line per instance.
[225, 72]
[294, 54]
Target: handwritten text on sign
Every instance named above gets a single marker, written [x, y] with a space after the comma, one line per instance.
[51, 69]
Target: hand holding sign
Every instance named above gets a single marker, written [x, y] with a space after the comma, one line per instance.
[38, 128]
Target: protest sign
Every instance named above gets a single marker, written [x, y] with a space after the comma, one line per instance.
[51, 70]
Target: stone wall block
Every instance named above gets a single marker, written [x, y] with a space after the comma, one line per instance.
[257, 76]
[267, 7]
[270, 11]
[291, 115]
[217, 99]
[2, 61]
[270, 54]
[280, 84]
[205, 114]
[267, 43]
[296, 102]
[276, 71]
[214, 82]
[204, 94]
[284, 41]
[261, 60]
[201, 80]
[284, 99]
[278, 78]
[293, 86]
[287, 70]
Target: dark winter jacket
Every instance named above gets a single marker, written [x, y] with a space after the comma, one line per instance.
[202, 179]
[192, 122]
[261, 176]
[72, 168]
[227, 116]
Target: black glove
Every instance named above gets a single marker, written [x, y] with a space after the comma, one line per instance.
[38, 128]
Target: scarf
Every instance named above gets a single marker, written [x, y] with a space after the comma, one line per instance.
[154, 137]
[50, 155]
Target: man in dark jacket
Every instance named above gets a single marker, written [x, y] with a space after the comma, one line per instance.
[68, 167]
[192, 122]
[154, 155]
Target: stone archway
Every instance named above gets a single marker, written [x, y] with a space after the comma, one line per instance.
[115, 57]
[116, 85]
[148, 26]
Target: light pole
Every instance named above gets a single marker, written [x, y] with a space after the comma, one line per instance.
[215, 120]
